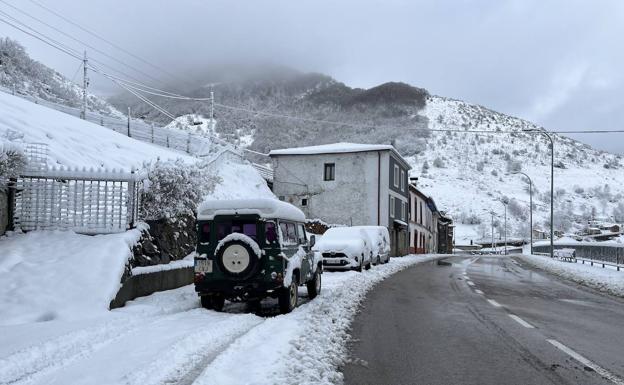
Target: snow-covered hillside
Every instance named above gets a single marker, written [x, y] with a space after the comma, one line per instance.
[468, 173]
[73, 142]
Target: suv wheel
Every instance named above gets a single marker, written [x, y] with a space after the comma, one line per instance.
[314, 286]
[217, 302]
[206, 301]
[289, 296]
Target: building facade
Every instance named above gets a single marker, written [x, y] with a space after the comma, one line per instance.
[348, 184]
[423, 222]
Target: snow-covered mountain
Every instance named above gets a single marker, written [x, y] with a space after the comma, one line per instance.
[25, 76]
[466, 173]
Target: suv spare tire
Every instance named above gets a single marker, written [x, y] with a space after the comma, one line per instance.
[237, 258]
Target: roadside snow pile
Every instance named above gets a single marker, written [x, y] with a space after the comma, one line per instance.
[74, 142]
[605, 280]
[49, 275]
[307, 346]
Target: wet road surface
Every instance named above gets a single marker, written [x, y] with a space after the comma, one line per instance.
[485, 320]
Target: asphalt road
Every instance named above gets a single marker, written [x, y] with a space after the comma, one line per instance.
[485, 320]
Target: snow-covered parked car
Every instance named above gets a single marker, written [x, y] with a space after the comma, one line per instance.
[345, 248]
[380, 242]
[251, 249]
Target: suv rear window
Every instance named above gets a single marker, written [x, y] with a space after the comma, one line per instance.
[243, 227]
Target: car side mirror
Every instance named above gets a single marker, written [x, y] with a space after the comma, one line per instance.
[312, 240]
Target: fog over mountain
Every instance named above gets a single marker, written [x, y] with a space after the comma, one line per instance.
[556, 63]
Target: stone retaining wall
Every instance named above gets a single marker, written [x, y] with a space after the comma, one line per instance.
[149, 283]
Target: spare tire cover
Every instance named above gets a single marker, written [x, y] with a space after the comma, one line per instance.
[238, 259]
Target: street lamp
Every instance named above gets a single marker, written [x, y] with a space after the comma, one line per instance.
[530, 206]
[552, 185]
[505, 204]
[493, 246]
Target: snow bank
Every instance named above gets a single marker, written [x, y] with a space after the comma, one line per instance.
[75, 142]
[50, 275]
[179, 264]
[605, 280]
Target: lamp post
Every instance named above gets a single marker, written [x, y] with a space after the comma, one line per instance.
[530, 206]
[493, 247]
[505, 228]
[552, 185]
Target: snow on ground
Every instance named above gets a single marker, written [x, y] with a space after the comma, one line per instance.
[168, 338]
[60, 275]
[606, 280]
[239, 181]
[74, 142]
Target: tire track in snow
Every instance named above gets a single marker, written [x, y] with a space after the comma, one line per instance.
[29, 364]
[187, 358]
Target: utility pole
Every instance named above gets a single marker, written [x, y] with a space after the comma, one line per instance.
[129, 122]
[505, 228]
[85, 84]
[552, 186]
[530, 206]
[492, 214]
[211, 106]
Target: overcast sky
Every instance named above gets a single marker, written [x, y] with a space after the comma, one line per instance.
[557, 63]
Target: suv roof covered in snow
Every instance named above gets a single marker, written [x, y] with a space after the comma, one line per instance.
[264, 207]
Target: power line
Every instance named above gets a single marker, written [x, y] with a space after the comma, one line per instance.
[37, 3]
[81, 42]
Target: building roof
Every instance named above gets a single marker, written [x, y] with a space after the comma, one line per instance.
[337, 148]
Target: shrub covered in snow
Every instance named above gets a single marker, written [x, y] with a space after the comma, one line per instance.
[12, 161]
[174, 188]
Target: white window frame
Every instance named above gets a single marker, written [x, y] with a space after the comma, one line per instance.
[396, 176]
[392, 203]
[404, 210]
[402, 180]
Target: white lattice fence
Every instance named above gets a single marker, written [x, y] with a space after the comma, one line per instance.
[88, 202]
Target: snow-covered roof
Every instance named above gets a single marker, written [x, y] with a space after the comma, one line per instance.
[264, 207]
[334, 148]
[338, 148]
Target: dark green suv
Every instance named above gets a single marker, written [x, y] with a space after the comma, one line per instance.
[251, 249]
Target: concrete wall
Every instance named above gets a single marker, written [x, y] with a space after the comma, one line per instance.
[350, 198]
[4, 211]
[613, 254]
[146, 284]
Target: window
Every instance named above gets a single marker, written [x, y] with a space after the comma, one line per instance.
[330, 171]
[243, 227]
[391, 207]
[403, 210]
[289, 233]
[304, 202]
[395, 178]
[204, 234]
[301, 234]
[270, 232]
[402, 180]
[421, 217]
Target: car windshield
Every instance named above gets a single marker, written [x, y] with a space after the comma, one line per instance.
[226, 228]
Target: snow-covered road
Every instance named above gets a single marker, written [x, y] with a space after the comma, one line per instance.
[168, 338]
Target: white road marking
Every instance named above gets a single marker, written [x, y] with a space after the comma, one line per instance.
[494, 303]
[521, 321]
[603, 372]
[478, 291]
[470, 283]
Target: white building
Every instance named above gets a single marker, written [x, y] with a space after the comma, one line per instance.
[347, 183]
